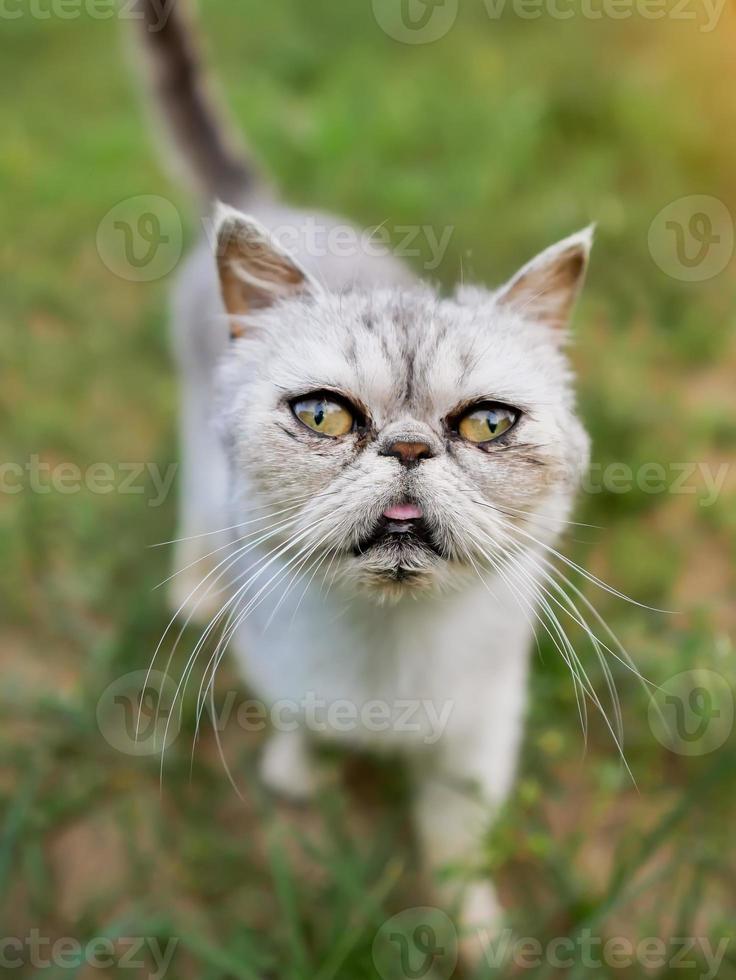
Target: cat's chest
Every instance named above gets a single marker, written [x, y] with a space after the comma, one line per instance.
[360, 652]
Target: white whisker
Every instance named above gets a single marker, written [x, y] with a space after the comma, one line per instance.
[278, 524]
[279, 550]
[567, 654]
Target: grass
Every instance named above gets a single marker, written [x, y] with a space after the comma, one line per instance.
[513, 133]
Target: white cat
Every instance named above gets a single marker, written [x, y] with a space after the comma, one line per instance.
[391, 466]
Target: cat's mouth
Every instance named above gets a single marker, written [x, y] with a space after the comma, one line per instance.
[400, 538]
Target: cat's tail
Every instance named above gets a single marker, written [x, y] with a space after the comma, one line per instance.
[216, 164]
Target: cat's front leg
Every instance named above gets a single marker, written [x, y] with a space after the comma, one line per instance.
[451, 824]
[457, 797]
[288, 766]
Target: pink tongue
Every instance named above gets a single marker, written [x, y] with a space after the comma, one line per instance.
[403, 512]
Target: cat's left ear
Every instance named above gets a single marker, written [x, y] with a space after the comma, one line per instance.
[255, 271]
[545, 289]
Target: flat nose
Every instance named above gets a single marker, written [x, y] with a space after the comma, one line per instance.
[408, 453]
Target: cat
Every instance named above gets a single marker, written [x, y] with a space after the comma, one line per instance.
[381, 471]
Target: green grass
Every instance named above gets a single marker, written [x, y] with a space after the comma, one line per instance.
[514, 133]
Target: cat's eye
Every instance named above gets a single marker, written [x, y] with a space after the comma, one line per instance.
[324, 415]
[484, 423]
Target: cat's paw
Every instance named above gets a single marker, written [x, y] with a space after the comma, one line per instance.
[480, 921]
[288, 767]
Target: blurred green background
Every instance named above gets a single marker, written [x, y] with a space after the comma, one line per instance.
[512, 132]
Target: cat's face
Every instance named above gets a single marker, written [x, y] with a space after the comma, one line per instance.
[398, 435]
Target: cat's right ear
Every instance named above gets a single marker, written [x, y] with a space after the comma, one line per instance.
[255, 271]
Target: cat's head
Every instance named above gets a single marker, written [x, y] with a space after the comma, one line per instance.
[397, 441]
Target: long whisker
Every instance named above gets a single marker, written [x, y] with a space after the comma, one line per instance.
[506, 508]
[578, 568]
[297, 574]
[296, 501]
[567, 654]
[509, 511]
[234, 623]
[228, 544]
[181, 686]
[597, 645]
[617, 732]
[220, 749]
[224, 530]
[228, 561]
[327, 572]
[624, 659]
[539, 589]
[317, 566]
[213, 663]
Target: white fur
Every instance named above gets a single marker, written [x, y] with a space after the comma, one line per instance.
[448, 636]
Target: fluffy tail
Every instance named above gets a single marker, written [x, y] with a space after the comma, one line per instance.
[217, 167]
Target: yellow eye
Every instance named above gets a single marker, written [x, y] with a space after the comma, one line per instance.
[326, 417]
[486, 423]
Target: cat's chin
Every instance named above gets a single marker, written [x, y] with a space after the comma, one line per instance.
[389, 574]
[392, 585]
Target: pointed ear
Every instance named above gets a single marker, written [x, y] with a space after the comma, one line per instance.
[546, 288]
[255, 271]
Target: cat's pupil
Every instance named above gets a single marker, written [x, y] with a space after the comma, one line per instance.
[492, 420]
[319, 414]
